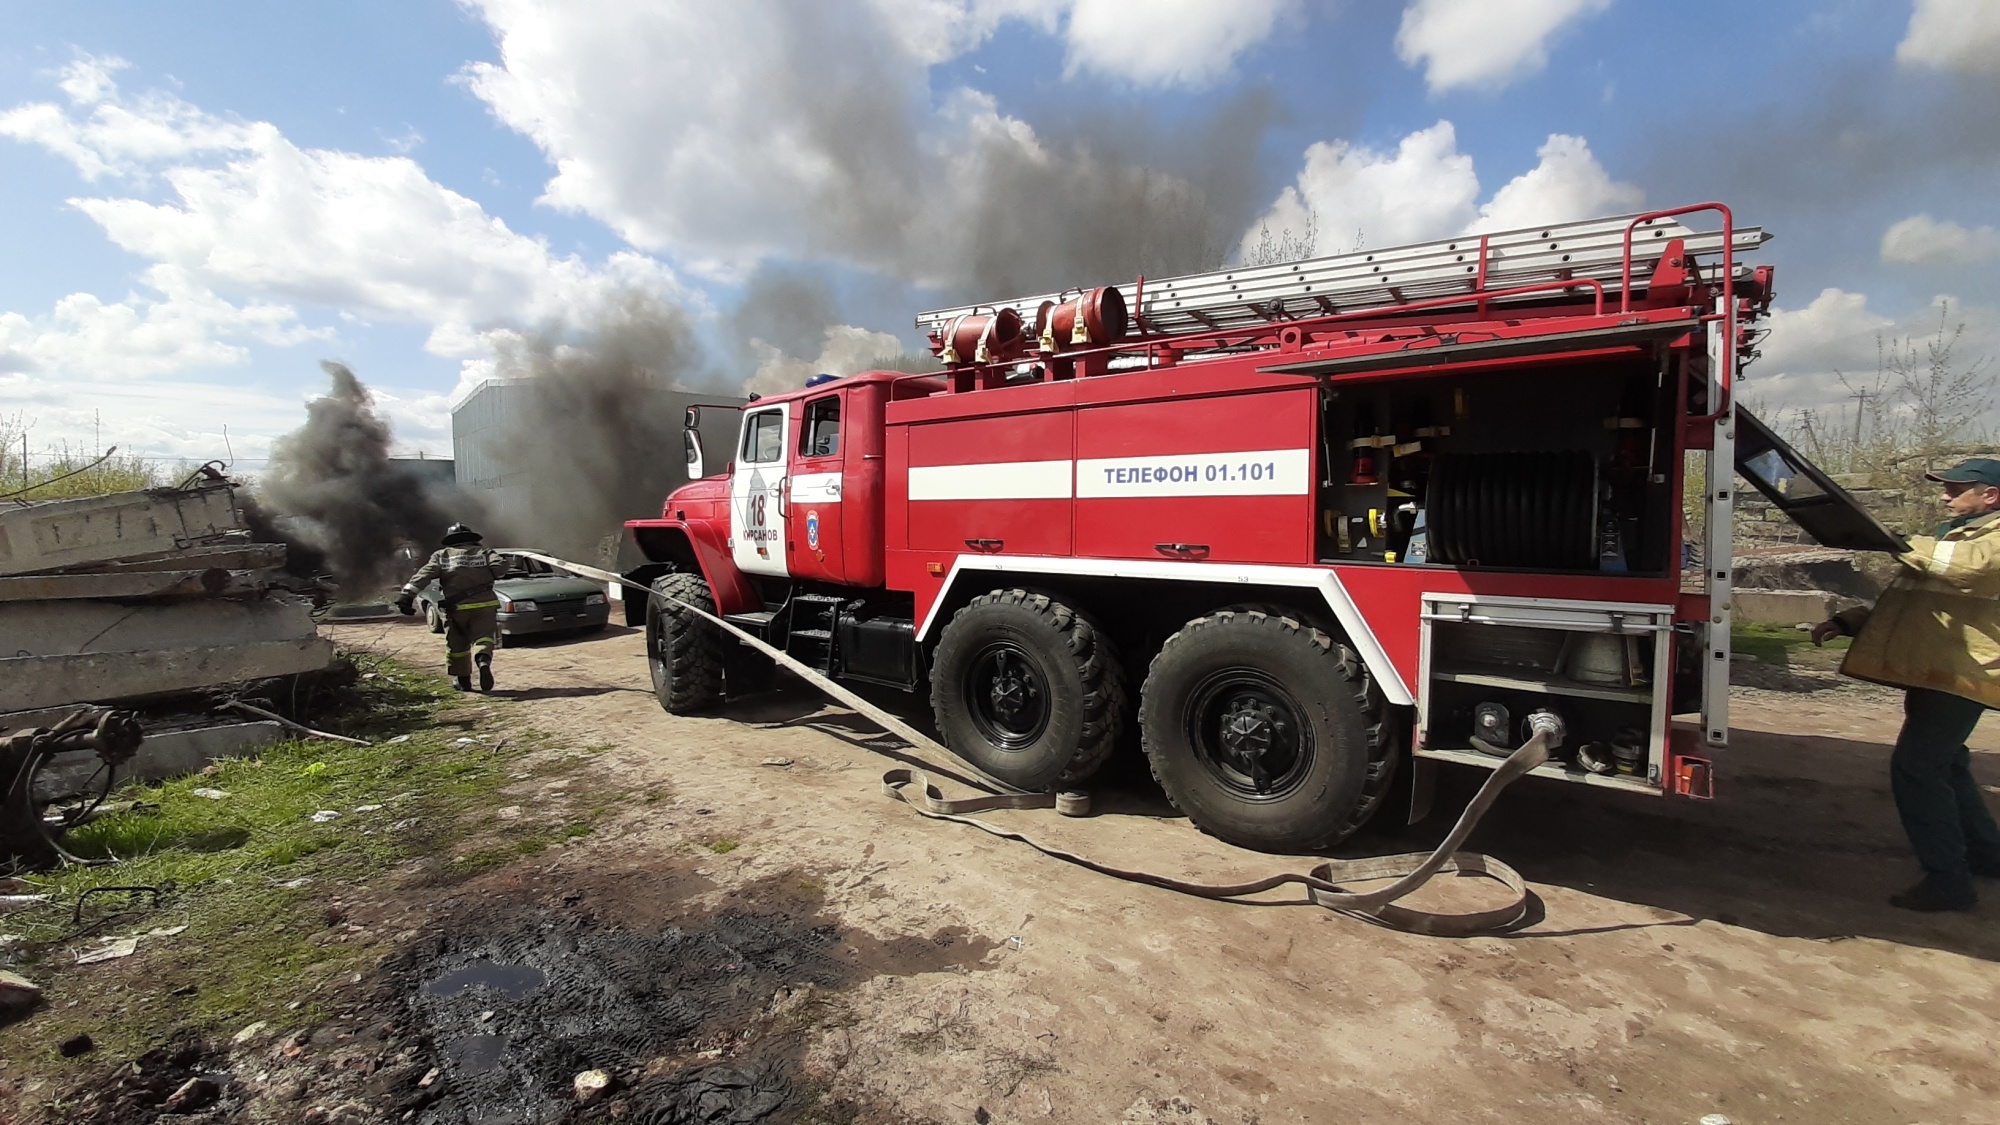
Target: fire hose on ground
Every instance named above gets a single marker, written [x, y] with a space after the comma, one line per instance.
[1324, 884]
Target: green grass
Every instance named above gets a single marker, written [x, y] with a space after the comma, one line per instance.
[1777, 644]
[252, 875]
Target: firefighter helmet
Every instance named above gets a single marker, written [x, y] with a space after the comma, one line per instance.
[459, 535]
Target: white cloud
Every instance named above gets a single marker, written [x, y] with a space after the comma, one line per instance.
[184, 419]
[935, 31]
[725, 134]
[1484, 44]
[105, 136]
[1169, 42]
[716, 130]
[1921, 238]
[1425, 189]
[1835, 332]
[1960, 35]
[1567, 185]
[253, 213]
[1428, 189]
[185, 326]
[847, 350]
[1839, 333]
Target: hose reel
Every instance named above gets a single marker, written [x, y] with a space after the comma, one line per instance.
[1536, 510]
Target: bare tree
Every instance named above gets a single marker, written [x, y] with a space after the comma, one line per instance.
[1285, 246]
[1945, 401]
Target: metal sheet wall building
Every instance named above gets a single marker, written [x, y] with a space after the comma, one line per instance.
[487, 421]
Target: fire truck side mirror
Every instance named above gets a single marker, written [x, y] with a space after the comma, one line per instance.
[691, 437]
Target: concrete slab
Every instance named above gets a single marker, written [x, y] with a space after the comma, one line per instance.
[60, 628]
[12, 721]
[1786, 607]
[29, 682]
[214, 582]
[174, 753]
[226, 555]
[121, 525]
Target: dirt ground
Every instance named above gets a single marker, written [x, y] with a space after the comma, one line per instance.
[1734, 957]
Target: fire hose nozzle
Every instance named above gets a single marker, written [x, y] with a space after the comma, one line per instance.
[1546, 723]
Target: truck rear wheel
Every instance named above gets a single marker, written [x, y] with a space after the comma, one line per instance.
[1265, 731]
[684, 652]
[1027, 689]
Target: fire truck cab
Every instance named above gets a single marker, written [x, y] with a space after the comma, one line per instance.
[1297, 531]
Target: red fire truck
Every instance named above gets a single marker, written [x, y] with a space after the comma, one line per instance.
[1298, 530]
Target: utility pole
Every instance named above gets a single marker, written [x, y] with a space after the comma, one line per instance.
[1861, 398]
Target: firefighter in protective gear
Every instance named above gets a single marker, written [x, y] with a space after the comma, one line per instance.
[465, 573]
[1936, 633]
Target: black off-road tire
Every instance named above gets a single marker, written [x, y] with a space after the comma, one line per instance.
[1078, 691]
[1331, 756]
[684, 652]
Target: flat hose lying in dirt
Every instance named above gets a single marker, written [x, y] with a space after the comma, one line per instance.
[1323, 884]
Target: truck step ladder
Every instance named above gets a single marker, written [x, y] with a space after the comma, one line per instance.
[812, 620]
[1255, 296]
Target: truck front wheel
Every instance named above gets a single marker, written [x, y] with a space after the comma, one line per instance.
[1262, 729]
[1027, 689]
[684, 651]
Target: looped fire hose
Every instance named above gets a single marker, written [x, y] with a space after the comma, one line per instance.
[1324, 884]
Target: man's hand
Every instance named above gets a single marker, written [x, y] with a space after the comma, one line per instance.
[1826, 631]
[407, 606]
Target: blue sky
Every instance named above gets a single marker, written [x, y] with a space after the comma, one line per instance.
[200, 202]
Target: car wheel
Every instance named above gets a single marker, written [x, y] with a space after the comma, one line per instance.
[1028, 689]
[683, 651]
[1265, 731]
[434, 617]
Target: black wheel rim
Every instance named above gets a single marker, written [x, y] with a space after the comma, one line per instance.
[656, 650]
[1006, 692]
[1250, 734]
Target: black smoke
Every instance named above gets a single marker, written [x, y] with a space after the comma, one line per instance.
[590, 438]
[333, 495]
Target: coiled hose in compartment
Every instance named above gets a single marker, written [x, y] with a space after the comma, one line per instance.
[1536, 510]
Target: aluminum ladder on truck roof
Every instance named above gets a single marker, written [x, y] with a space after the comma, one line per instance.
[1255, 296]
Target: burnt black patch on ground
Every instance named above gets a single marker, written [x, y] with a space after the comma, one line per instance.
[698, 1005]
[696, 1014]
[513, 1017]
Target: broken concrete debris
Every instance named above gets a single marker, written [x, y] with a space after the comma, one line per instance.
[144, 594]
[65, 535]
[18, 992]
[590, 1086]
[138, 597]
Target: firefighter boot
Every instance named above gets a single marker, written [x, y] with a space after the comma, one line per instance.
[462, 683]
[485, 662]
[1938, 892]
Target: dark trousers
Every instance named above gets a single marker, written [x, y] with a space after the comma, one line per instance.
[468, 634]
[1930, 773]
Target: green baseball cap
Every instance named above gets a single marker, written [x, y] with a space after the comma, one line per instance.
[1978, 470]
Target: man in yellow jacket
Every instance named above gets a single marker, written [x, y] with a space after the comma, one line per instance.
[1936, 632]
[465, 573]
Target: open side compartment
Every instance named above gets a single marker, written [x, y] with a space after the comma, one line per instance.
[1806, 493]
[1603, 668]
